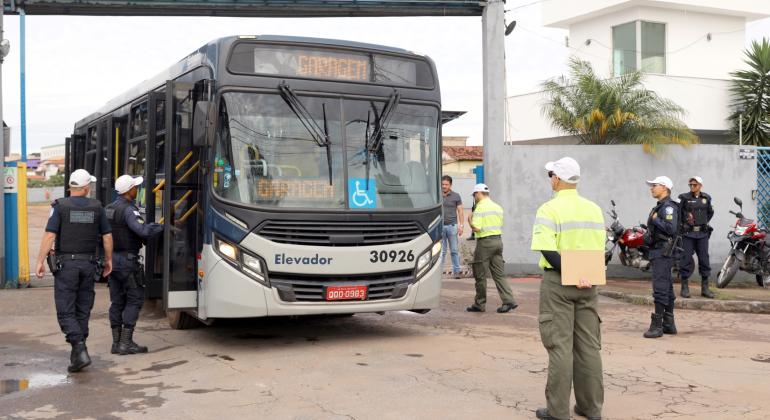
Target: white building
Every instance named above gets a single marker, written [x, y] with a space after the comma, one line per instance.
[52, 152]
[687, 48]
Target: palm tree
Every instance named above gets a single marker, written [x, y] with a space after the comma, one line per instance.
[613, 111]
[751, 93]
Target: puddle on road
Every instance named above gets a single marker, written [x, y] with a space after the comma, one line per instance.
[43, 380]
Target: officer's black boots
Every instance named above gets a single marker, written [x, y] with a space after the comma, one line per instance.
[79, 357]
[685, 293]
[127, 345]
[704, 289]
[668, 322]
[656, 324]
[115, 340]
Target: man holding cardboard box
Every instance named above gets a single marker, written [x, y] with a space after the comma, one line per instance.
[568, 317]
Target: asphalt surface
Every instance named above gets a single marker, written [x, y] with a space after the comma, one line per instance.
[446, 364]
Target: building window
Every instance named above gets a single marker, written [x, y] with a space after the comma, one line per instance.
[638, 45]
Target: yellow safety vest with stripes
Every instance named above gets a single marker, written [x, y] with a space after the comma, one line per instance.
[568, 222]
[488, 218]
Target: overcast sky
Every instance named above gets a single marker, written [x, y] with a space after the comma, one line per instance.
[76, 64]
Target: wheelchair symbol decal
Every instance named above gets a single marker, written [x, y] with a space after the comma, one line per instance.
[360, 197]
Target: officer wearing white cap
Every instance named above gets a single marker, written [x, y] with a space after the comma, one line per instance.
[127, 280]
[75, 224]
[662, 229]
[487, 223]
[568, 315]
[696, 213]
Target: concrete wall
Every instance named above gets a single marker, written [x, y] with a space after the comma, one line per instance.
[38, 195]
[464, 187]
[518, 181]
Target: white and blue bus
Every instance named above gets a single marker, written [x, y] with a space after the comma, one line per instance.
[294, 176]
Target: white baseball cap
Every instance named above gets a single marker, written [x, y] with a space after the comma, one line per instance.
[80, 178]
[125, 182]
[480, 188]
[697, 179]
[566, 168]
[662, 180]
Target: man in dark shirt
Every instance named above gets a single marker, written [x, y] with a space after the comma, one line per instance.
[75, 224]
[453, 228]
[696, 213]
[127, 280]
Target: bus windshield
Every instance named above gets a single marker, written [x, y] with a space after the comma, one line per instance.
[268, 155]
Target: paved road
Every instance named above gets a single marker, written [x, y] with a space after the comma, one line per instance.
[447, 364]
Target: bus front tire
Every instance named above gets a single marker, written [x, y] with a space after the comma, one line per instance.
[180, 320]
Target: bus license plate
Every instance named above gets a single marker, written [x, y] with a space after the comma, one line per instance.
[346, 293]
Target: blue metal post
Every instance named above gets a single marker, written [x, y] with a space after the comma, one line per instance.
[22, 49]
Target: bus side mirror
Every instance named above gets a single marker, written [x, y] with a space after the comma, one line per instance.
[201, 123]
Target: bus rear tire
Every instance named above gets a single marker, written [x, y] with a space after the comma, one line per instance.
[181, 320]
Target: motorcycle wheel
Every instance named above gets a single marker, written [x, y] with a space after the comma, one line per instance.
[726, 274]
[763, 281]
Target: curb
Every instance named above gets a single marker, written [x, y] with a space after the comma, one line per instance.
[746, 306]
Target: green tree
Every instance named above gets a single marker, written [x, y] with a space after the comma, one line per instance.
[613, 111]
[750, 91]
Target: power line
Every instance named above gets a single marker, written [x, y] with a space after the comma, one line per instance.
[527, 5]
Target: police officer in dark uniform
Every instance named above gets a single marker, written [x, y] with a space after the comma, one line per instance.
[75, 224]
[696, 213]
[662, 229]
[127, 280]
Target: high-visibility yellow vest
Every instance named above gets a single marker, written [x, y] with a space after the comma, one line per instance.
[568, 222]
[488, 217]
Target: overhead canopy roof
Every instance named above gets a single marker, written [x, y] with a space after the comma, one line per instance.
[447, 116]
[252, 8]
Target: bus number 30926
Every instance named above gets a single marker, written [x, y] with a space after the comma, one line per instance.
[391, 256]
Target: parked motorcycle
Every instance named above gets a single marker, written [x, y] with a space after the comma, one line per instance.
[630, 243]
[749, 250]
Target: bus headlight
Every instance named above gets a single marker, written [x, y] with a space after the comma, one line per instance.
[227, 250]
[245, 262]
[427, 259]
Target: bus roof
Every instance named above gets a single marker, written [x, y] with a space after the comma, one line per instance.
[208, 54]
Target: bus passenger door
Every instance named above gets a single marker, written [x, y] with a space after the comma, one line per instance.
[181, 213]
[152, 194]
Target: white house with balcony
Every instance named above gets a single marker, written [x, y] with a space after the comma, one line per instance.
[686, 48]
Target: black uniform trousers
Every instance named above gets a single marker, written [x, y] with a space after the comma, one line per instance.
[662, 283]
[700, 246]
[74, 298]
[126, 301]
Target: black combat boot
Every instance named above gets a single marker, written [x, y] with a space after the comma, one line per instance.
[685, 293]
[79, 357]
[115, 340]
[656, 324]
[704, 289]
[668, 322]
[127, 345]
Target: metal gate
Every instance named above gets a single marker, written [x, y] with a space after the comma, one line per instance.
[763, 186]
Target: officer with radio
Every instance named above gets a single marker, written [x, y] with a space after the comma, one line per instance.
[75, 224]
[127, 280]
[661, 238]
[696, 213]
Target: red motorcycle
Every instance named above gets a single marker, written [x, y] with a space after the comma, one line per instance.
[749, 250]
[629, 241]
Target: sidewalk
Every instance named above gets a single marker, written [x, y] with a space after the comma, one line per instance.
[735, 298]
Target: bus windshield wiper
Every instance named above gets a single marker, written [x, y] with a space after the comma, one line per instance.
[320, 135]
[373, 142]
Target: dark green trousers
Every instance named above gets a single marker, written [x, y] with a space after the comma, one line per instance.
[570, 329]
[489, 255]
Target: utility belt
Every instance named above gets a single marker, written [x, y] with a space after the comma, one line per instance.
[698, 228]
[136, 277]
[490, 237]
[55, 262]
